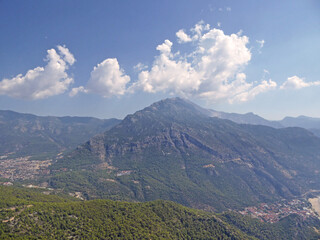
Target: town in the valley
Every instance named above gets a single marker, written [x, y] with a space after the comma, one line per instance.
[23, 168]
[273, 212]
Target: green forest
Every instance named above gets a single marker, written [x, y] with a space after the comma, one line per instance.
[29, 214]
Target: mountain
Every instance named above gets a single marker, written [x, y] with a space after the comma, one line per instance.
[27, 214]
[27, 134]
[173, 150]
[248, 118]
[301, 121]
[312, 124]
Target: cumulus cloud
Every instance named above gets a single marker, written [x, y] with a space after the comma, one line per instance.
[183, 37]
[167, 74]
[107, 79]
[42, 82]
[165, 48]
[295, 82]
[212, 70]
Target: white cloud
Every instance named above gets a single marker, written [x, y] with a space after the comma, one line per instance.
[107, 79]
[139, 67]
[261, 44]
[264, 86]
[67, 55]
[42, 82]
[183, 37]
[228, 9]
[198, 29]
[168, 74]
[165, 47]
[219, 24]
[212, 70]
[295, 82]
[75, 91]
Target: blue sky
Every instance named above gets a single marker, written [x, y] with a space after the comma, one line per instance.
[110, 58]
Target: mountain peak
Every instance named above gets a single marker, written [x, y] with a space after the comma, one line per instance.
[175, 108]
[176, 101]
[168, 101]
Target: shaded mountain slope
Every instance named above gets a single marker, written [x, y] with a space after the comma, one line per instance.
[312, 124]
[248, 118]
[27, 134]
[173, 151]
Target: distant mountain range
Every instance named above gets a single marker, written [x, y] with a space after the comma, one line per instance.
[248, 118]
[30, 135]
[27, 134]
[175, 150]
[312, 124]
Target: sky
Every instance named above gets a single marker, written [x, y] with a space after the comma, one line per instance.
[111, 58]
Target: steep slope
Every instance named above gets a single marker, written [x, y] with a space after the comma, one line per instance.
[26, 214]
[27, 134]
[173, 151]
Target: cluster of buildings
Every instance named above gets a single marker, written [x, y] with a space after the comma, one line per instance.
[123, 173]
[273, 212]
[23, 168]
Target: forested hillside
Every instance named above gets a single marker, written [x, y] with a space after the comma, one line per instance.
[26, 214]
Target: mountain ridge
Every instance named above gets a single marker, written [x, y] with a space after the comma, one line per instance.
[173, 150]
[27, 134]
